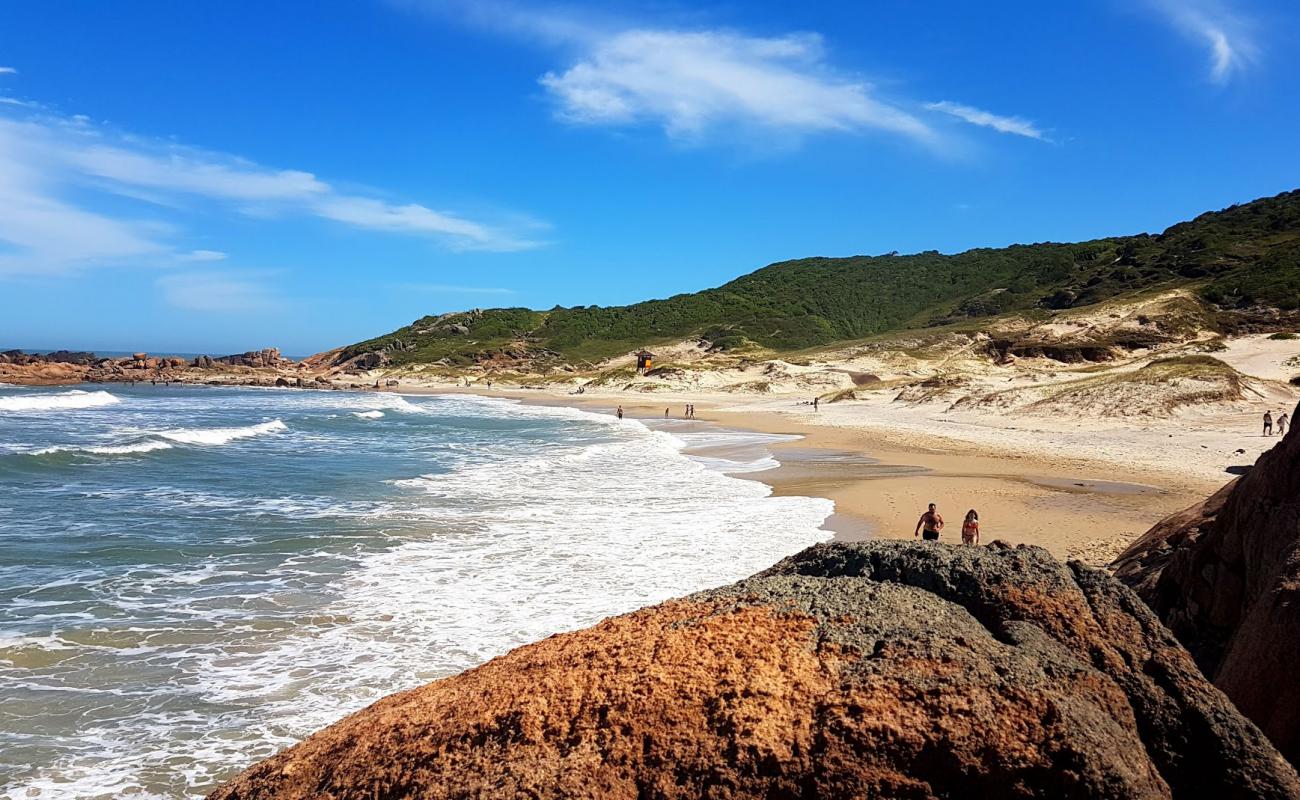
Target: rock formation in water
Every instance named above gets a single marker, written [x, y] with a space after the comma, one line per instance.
[880, 669]
[1225, 577]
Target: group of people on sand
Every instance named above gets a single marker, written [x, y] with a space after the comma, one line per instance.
[687, 413]
[1282, 421]
[931, 524]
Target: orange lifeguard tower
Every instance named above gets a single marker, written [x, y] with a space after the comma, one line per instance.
[645, 361]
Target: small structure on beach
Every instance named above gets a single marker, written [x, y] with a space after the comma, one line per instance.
[644, 361]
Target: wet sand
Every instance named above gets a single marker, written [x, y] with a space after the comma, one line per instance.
[1076, 508]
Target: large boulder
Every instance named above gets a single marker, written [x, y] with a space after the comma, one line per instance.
[880, 669]
[1225, 577]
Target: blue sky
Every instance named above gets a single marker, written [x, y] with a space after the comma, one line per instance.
[224, 176]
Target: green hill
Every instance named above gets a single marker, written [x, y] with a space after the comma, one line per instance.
[1243, 261]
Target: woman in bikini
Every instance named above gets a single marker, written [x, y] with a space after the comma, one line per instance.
[970, 528]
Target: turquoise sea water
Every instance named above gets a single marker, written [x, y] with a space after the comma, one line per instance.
[193, 578]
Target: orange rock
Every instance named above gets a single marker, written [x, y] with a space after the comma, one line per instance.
[881, 669]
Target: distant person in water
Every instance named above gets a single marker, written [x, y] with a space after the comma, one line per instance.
[1268, 423]
[1282, 422]
[929, 525]
[970, 528]
[815, 403]
[619, 412]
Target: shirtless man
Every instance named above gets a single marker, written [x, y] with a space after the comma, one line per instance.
[932, 522]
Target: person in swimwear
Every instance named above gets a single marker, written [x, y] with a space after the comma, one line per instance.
[929, 525]
[970, 528]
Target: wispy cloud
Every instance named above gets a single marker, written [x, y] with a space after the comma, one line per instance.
[204, 255]
[56, 173]
[445, 288]
[218, 292]
[8, 71]
[1227, 33]
[691, 82]
[986, 119]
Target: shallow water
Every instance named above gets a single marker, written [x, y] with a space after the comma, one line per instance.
[193, 578]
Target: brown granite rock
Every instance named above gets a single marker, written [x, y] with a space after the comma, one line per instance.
[1225, 577]
[880, 669]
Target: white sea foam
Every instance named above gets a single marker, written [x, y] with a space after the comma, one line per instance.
[57, 402]
[106, 450]
[218, 436]
[521, 537]
[376, 414]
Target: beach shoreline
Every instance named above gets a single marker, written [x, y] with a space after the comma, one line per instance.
[881, 478]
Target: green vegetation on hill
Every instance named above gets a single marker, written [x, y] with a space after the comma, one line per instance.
[1243, 258]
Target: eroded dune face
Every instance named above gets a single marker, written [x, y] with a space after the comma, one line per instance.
[880, 669]
[1225, 577]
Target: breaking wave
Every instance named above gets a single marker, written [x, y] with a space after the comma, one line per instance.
[58, 402]
[213, 436]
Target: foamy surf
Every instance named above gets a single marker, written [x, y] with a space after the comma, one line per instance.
[58, 402]
[368, 414]
[219, 436]
[269, 590]
[105, 450]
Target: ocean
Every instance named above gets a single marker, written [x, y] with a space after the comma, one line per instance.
[194, 578]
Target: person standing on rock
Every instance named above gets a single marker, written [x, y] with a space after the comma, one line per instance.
[929, 525]
[1268, 423]
[970, 528]
[1282, 421]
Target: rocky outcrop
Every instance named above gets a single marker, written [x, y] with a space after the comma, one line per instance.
[64, 367]
[880, 669]
[1225, 577]
[269, 357]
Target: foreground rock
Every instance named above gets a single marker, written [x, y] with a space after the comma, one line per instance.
[883, 669]
[1225, 577]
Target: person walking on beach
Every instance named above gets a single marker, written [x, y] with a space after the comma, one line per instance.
[932, 522]
[619, 412]
[970, 528]
[1268, 423]
[815, 403]
[1282, 421]
[665, 413]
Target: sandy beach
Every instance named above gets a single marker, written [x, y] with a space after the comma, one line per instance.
[1080, 489]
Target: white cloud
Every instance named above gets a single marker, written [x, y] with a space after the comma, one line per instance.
[8, 71]
[41, 233]
[694, 81]
[45, 161]
[204, 255]
[1227, 34]
[987, 119]
[217, 292]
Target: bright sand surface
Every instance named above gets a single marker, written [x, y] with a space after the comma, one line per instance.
[1080, 488]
